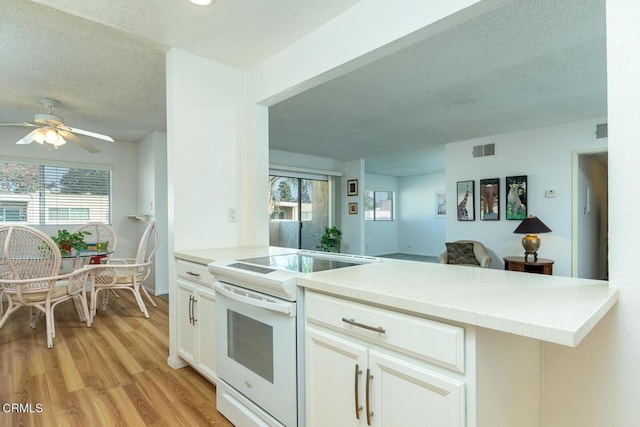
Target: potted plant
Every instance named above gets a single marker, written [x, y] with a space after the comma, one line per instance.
[67, 241]
[330, 241]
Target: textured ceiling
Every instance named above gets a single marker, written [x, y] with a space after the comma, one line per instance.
[525, 65]
[105, 60]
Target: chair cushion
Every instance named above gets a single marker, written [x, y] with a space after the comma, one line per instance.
[60, 289]
[461, 253]
[128, 279]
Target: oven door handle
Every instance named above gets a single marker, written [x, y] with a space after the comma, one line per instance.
[284, 307]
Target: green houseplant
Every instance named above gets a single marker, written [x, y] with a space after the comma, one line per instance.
[67, 241]
[330, 241]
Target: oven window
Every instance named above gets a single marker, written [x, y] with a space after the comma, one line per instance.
[250, 343]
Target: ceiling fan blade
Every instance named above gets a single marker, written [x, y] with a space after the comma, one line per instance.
[27, 124]
[27, 139]
[82, 143]
[91, 134]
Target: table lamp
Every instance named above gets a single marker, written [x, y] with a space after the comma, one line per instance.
[531, 226]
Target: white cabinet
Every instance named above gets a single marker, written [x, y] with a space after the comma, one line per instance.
[419, 371]
[362, 367]
[196, 318]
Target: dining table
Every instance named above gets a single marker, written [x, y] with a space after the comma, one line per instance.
[83, 257]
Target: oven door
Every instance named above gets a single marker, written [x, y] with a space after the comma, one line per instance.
[256, 349]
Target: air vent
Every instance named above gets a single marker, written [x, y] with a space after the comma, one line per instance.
[484, 150]
[602, 130]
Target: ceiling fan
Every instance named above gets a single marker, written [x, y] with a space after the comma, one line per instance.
[52, 130]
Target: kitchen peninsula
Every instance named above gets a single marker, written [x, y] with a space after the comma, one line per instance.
[460, 345]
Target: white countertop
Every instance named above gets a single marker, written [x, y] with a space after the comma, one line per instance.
[555, 309]
[205, 256]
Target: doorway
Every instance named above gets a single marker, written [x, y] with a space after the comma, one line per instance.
[298, 211]
[590, 215]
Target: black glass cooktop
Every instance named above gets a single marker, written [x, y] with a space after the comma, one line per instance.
[292, 262]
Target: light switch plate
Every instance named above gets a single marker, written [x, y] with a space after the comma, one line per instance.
[550, 193]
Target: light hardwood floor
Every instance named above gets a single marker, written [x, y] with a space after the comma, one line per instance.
[112, 374]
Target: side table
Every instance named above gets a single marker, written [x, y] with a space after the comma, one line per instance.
[518, 263]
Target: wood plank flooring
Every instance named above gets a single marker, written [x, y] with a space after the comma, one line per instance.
[112, 374]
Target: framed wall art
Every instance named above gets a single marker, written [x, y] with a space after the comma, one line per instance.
[352, 187]
[465, 201]
[516, 197]
[353, 208]
[441, 204]
[490, 199]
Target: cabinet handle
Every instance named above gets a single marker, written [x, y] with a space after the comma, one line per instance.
[191, 309]
[357, 394]
[194, 311]
[369, 412]
[378, 329]
[193, 274]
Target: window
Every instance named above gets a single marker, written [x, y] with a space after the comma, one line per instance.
[13, 211]
[378, 205]
[43, 194]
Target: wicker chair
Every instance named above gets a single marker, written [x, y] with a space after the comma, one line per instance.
[126, 273]
[29, 277]
[100, 232]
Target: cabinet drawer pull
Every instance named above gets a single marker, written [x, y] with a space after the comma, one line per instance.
[369, 412]
[357, 394]
[191, 309]
[378, 329]
[190, 273]
[194, 311]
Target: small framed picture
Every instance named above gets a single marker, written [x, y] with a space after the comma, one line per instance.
[441, 204]
[516, 197]
[353, 208]
[465, 201]
[352, 187]
[490, 199]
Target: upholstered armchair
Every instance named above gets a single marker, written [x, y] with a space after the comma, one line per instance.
[465, 252]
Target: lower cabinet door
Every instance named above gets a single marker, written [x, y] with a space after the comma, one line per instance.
[206, 333]
[335, 370]
[186, 330]
[406, 394]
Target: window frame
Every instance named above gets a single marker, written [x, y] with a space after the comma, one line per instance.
[373, 210]
[40, 216]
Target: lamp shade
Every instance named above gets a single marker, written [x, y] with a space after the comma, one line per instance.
[531, 225]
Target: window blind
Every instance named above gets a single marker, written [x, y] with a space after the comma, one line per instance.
[54, 194]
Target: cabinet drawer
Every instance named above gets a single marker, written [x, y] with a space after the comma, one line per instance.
[428, 340]
[194, 272]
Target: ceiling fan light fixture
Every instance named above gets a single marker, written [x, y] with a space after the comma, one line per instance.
[39, 136]
[201, 2]
[60, 141]
[51, 136]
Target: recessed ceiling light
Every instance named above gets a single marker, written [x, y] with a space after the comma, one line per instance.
[201, 2]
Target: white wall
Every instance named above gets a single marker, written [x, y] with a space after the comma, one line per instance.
[596, 383]
[420, 232]
[303, 161]
[545, 156]
[152, 201]
[120, 156]
[381, 237]
[352, 225]
[206, 132]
